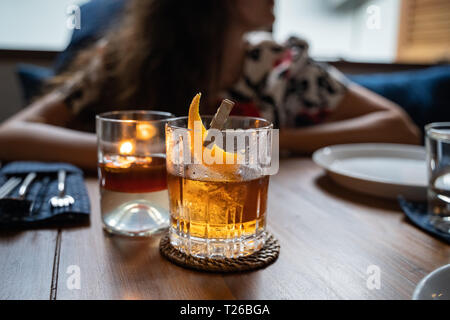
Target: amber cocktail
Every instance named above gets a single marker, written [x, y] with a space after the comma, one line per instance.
[218, 210]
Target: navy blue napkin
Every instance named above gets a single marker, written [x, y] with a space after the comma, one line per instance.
[417, 212]
[40, 191]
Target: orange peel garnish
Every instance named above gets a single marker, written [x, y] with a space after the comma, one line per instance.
[216, 152]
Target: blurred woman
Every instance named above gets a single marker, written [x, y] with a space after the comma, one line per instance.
[165, 51]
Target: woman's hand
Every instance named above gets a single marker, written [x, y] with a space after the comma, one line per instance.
[361, 116]
[37, 133]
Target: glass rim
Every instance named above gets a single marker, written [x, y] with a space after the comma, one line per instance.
[432, 130]
[266, 127]
[107, 116]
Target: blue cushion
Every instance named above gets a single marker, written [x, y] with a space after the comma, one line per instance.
[31, 78]
[424, 94]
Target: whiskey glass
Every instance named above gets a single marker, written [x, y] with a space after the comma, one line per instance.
[219, 208]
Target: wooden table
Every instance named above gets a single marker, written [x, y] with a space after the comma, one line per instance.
[329, 237]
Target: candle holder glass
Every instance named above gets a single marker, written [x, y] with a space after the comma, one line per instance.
[132, 171]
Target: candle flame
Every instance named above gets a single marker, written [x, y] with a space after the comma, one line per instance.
[126, 147]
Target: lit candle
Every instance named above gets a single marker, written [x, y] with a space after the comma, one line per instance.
[126, 147]
[123, 160]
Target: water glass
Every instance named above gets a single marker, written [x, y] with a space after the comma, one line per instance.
[438, 159]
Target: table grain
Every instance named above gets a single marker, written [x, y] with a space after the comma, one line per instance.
[329, 237]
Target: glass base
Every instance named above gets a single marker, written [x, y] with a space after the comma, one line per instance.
[138, 218]
[442, 223]
[217, 248]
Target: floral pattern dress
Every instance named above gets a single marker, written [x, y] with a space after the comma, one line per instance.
[281, 83]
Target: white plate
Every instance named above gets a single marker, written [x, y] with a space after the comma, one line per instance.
[435, 286]
[380, 169]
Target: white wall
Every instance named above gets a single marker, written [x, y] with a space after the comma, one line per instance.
[41, 25]
[341, 32]
[35, 24]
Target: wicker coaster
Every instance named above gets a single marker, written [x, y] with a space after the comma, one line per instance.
[264, 257]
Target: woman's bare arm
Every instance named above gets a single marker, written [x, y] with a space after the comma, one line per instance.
[37, 133]
[361, 116]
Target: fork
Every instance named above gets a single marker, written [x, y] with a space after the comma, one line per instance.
[62, 199]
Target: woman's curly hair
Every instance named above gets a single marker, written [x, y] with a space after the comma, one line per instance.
[158, 57]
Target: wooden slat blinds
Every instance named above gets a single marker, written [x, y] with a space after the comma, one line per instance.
[424, 34]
